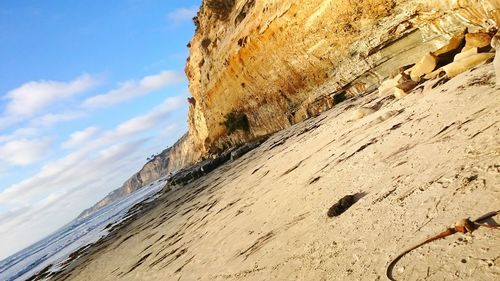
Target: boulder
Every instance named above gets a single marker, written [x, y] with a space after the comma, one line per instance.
[405, 83]
[466, 53]
[455, 68]
[362, 112]
[425, 66]
[446, 53]
[436, 73]
[398, 93]
[387, 87]
[477, 40]
[242, 150]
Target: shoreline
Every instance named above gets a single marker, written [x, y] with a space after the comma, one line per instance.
[178, 180]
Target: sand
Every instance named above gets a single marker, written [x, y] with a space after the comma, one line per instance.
[418, 165]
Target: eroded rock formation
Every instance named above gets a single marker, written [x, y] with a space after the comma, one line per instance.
[279, 62]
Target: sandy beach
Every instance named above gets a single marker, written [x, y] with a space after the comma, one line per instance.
[417, 165]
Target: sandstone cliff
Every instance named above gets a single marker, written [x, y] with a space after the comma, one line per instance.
[278, 62]
[154, 169]
[256, 67]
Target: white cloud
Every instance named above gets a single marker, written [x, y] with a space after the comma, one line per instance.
[51, 119]
[133, 89]
[182, 15]
[148, 120]
[61, 199]
[80, 137]
[19, 133]
[24, 152]
[63, 169]
[64, 187]
[35, 97]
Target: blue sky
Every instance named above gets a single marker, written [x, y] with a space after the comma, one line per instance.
[88, 91]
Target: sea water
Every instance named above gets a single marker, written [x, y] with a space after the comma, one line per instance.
[56, 248]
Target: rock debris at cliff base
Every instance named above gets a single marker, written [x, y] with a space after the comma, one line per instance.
[281, 62]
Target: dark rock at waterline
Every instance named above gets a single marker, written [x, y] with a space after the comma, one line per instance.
[202, 168]
[242, 150]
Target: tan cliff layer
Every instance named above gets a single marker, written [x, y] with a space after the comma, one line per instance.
[282, 61]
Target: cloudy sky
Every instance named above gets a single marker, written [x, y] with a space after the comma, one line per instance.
[88, 91]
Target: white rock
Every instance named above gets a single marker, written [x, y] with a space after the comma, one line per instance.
[425, 66]
[362, 112]
[398, 93]
[387, 87]
[455, 68]
[465, 53]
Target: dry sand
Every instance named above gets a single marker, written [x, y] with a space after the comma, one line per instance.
[422, 162]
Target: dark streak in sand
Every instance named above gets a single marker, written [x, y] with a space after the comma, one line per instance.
[138, 263]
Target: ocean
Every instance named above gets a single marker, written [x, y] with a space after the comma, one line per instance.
[56, 248]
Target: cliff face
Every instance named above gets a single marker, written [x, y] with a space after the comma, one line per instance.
[182, 153]
[256, 67]
[154, 169]
[278, 62]
[151, 171]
